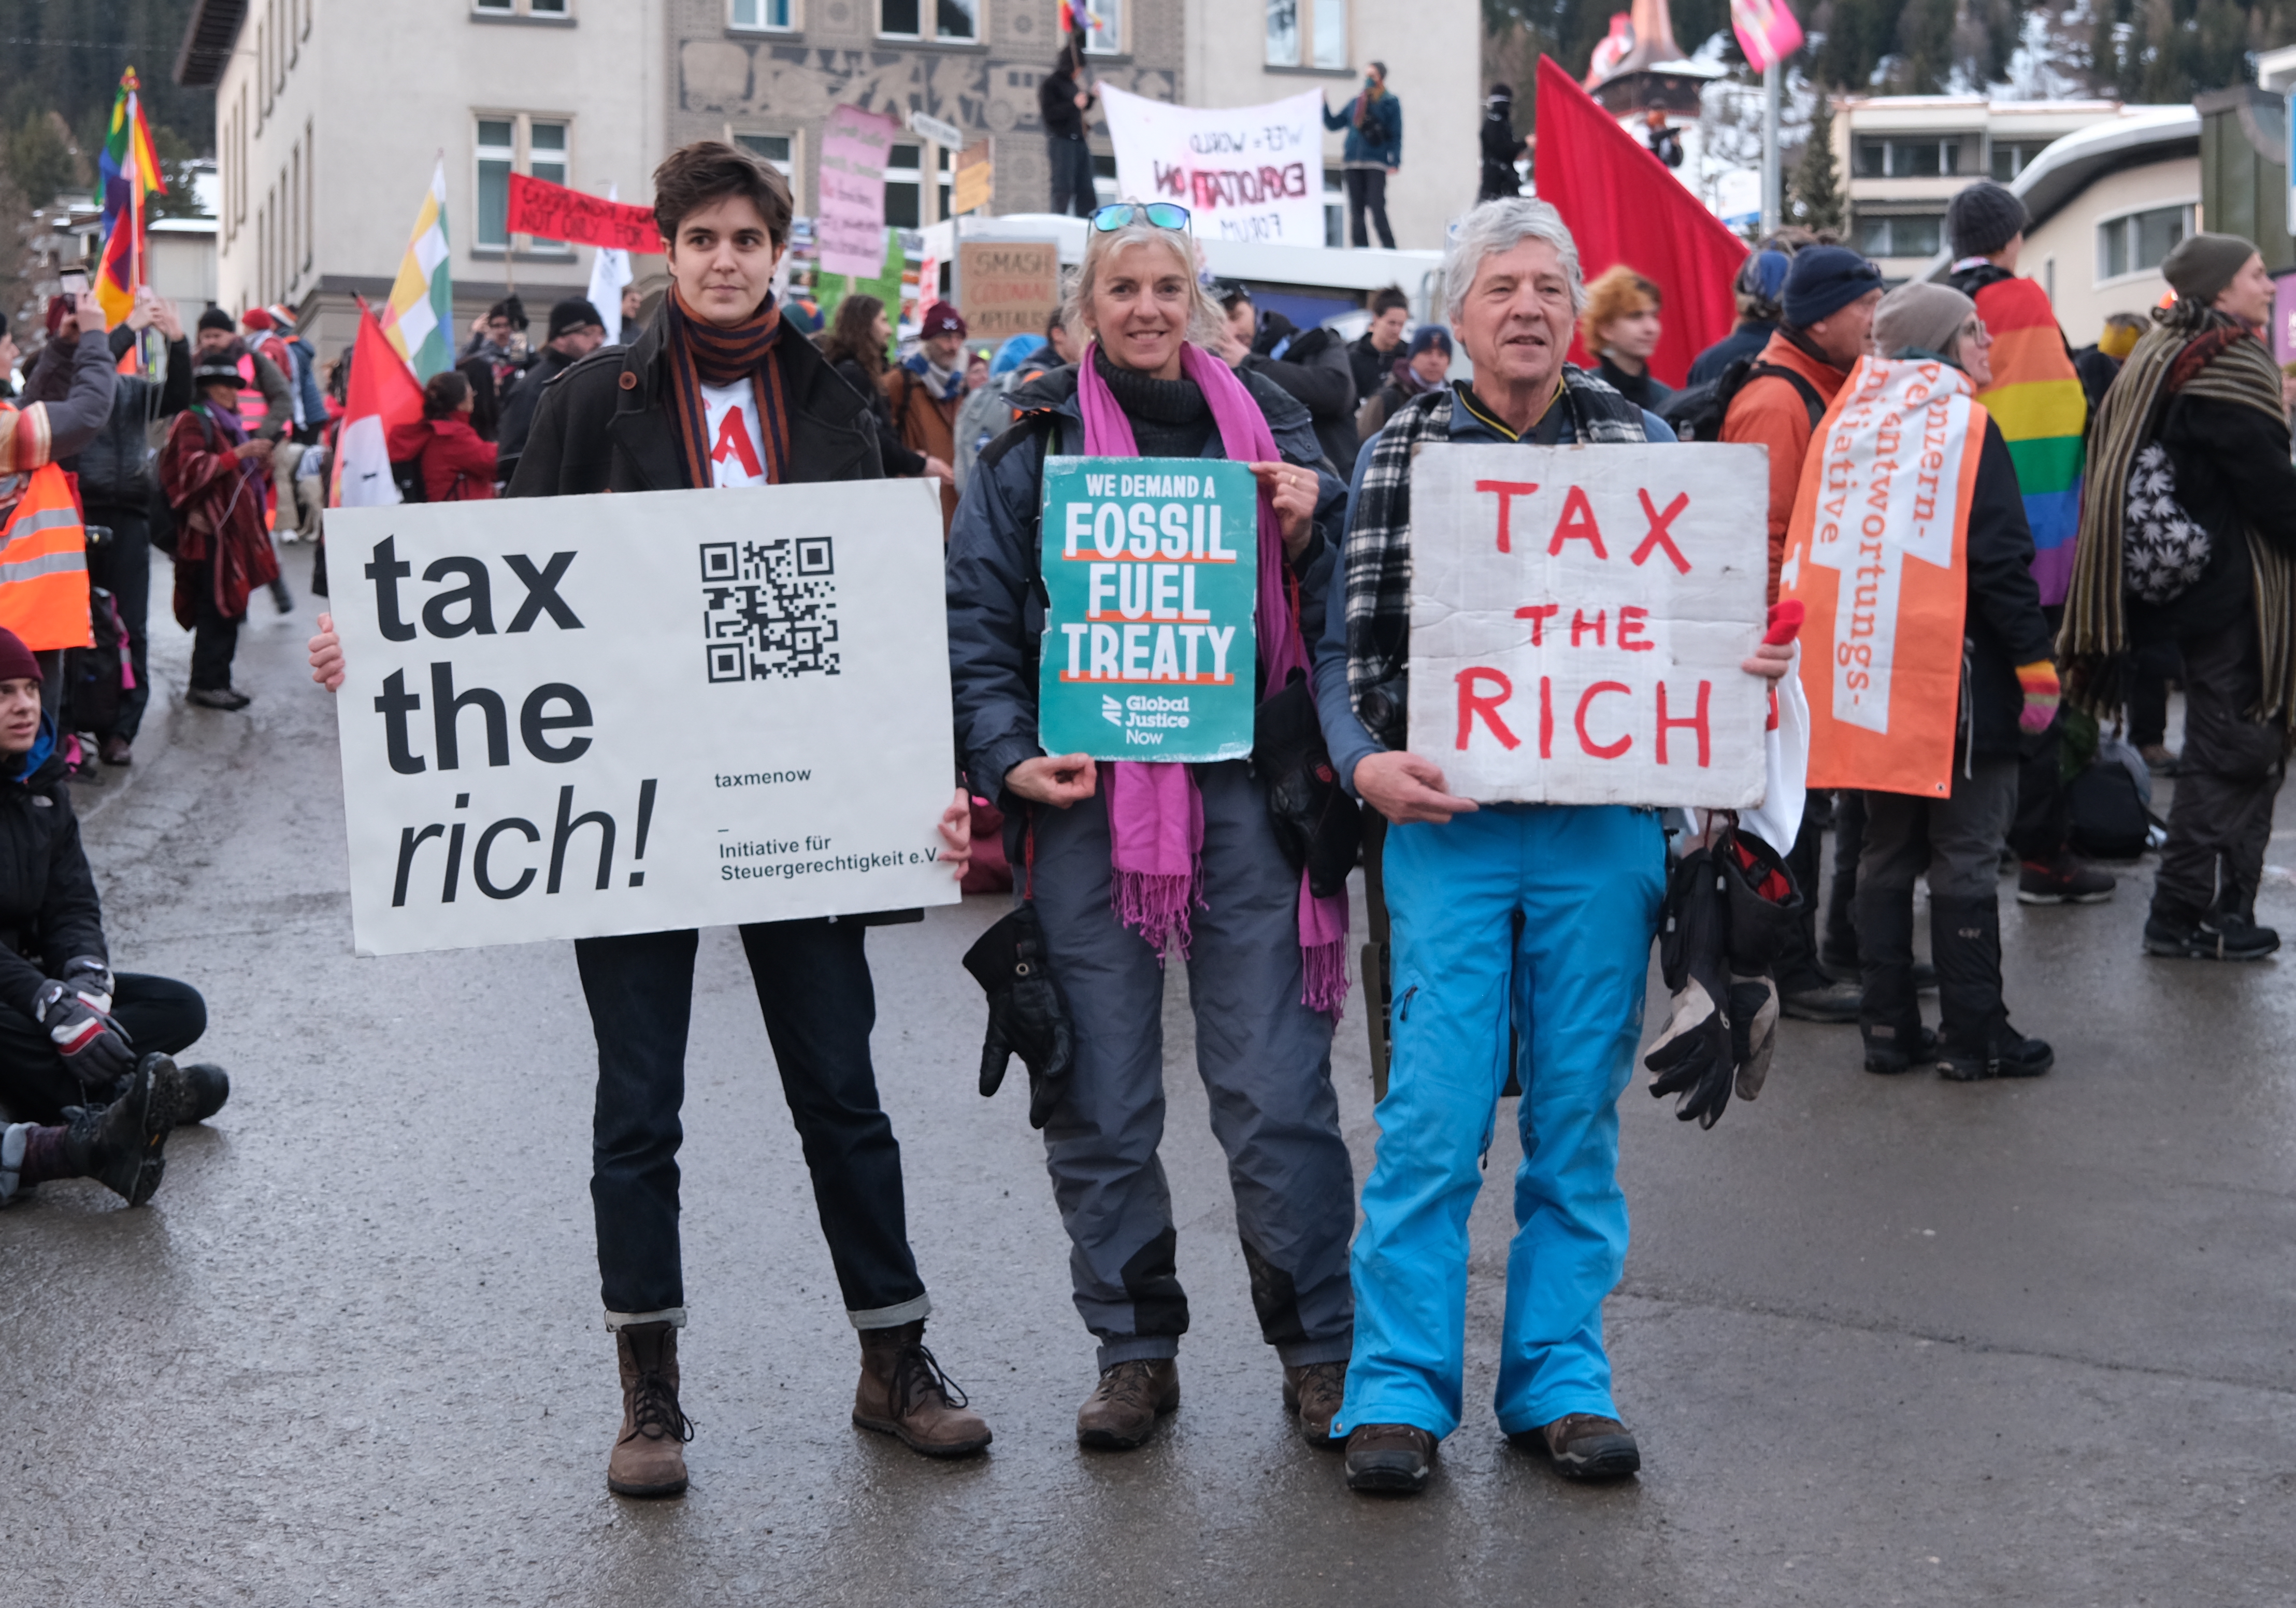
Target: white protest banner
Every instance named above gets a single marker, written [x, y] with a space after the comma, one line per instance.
[566, 717]
[849, 223]
[1249, 173]
[1578, 618]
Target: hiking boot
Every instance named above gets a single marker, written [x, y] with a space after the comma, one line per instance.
[2160, 759]
[115, 750]
[217, 697]
[904, 1392]
[1820, 1000]
[1891, 1050]
[1391, 1457]
[1314, 1392]
[2008, 1054]
[2217, 936]
[194, 1092]
[649, 1457]
[121, 1145]
[2067, 880]
[1587, 1446]
[1123, 1410]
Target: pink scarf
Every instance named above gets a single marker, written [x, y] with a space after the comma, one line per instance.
[1155, 814]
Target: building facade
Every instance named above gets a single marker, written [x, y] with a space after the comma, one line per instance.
[330, 114]
[1905, 157]
[2108, 204]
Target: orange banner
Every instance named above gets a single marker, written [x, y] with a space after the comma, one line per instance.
[1878, 555]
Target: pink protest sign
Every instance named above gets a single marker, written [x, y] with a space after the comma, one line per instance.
[849, 223]
[1766, 31]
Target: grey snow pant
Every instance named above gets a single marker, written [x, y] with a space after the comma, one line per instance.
[2220, 821]
[1266, 1062]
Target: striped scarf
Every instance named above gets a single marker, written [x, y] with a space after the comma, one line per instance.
[2200, 352]
[1378, 555]
[704, 354]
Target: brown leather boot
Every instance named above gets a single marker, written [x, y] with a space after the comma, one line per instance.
[904, 1392]
[649, 1457]
[1123, 1410]
[1315, 1393]
[1389, 1457]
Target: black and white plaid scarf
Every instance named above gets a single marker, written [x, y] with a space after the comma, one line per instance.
[1379, 538]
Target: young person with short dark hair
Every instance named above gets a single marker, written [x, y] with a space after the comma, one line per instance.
[717, 365]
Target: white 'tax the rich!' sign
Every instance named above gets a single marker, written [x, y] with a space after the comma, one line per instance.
[1250, 173]
[568, 716]
[1578, 618]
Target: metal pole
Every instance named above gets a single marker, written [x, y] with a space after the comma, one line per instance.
[1772, 190]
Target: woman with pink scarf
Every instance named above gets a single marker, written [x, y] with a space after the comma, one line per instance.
[1131, 864]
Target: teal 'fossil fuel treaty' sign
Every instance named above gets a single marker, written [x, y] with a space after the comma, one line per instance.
[1150, 566]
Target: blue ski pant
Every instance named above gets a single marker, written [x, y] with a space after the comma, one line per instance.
[1542, 917]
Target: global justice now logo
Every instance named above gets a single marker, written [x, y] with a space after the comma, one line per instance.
[1144, 717]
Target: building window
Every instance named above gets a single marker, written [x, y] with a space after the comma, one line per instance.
[1103, 20]
[1321, 24]
[949, 21]
[1103, 181]
[1922, 236]
[905, 186]
[1335, 200]
[2012, 157]
[2139, 242]
[1909, 158]
[514, 143]
[773, 15]
[554, 9]
[776, 150]
[310, 190]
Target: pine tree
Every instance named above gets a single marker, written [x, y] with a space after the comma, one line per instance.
[1817, 186]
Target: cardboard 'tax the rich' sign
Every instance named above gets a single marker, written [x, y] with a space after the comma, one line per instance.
[1579, 615]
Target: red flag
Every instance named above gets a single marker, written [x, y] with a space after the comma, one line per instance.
[383, 393]
[1623, 205]
[549, 211]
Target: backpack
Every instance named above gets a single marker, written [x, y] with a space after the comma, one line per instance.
[406, 474]
[2105, 814]
[2163, 549]
[96, 676]
[1696, 414]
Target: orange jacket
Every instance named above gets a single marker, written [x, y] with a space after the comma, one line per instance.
[1771, 412]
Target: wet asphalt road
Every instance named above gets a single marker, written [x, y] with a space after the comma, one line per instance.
[1883, 1341]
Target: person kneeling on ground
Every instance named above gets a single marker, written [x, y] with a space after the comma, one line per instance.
[2009, 685]
[84, 1057]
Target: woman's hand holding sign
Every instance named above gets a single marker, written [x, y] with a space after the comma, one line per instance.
[1292, 490]
[1059, 780]
[327, 655]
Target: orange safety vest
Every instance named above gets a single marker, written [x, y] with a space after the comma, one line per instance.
[43, 565]
[253, 411]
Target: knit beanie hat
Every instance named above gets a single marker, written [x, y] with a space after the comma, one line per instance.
[216, 318]
[1823, 280]
[2200, 269]
[1919, 315]
[574, 313]
[1431, 337]
[16, 660]
[1983, 218]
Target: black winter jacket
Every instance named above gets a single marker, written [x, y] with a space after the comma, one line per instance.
[518, 413]
[898, 458]
[604, 426]
[115, 469]
[49, 913]
[995, 600]
[2233, 478]
[1317, 373]
[2002, 623]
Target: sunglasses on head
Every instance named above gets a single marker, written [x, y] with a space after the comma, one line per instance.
[1164, 215]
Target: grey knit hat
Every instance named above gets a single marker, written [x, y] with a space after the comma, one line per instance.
[1983, 218]
[2199, 268]
[1919, 315]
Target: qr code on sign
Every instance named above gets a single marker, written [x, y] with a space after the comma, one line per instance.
[769, 609]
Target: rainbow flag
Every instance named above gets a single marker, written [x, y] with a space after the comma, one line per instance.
[129, 169]
[418, 320]
[2037, 399]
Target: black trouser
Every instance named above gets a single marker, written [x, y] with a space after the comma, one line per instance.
[153, 1013]
[2156, 664]
[1956, 843]
[215, 635]
[1367, 188]
[813, 983]
[1796, 968]
[1840, 897]
[1072, 187]
[122, 567]
[2230, 774]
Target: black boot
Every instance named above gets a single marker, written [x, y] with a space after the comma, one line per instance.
[1890, 1018]
[1977, 1041]
[121, 1146]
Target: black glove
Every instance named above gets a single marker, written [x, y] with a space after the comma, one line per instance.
[76, 1016]
[1764, 905]
[1693, 1056]
[1027, 1014]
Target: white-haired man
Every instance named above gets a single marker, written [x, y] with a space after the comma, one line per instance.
[1540, 916]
